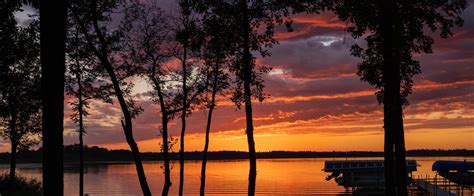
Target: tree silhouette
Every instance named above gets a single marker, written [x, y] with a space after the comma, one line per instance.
[83, 83]
[188, 40]
[259, 14]
[8, 24]
[147, 36]
[53, 16]
[253, 25]
[20, 102]
[394, 31]
[105, 44]
[218, 49]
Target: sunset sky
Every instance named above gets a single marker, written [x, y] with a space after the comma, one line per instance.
[317, 101]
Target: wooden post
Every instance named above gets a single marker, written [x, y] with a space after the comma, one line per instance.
[449, 186]
[352, 181]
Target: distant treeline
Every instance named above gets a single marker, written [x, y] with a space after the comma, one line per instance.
[99, 154]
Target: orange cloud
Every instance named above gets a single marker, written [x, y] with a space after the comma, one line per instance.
[310, 23]
[429, 85]
[316, 97]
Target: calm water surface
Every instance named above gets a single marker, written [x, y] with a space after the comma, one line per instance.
[275, 176]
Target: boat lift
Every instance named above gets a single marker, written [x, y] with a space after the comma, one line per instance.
[361, 174]
[459, 172]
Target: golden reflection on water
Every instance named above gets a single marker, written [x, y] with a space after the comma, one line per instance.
[275, 176]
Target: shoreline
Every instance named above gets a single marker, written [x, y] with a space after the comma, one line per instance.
[191, 156]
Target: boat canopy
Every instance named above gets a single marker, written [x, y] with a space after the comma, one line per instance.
[332, 166]
[452, 165]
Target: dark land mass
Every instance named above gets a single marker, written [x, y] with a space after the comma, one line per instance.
[98, 154]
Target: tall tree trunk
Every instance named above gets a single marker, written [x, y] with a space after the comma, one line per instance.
[386, 25]
[127, 122]
[247, 71]
[128, 130]
[183, 122]
[393, 122]
[14, 145]
[400, 158]
[208, 126]
[401, 173]
[164, 131]
[81, 131]
[206, 147]
[389, 166]
[53, 17]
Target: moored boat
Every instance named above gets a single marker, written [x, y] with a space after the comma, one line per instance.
[367, 174]
[459, 172]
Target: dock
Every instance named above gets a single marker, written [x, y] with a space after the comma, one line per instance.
[437, 185]
[430, 188]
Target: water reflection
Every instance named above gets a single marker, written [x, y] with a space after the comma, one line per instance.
[274, 176]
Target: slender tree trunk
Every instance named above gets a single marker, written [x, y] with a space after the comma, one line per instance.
[14, 145]
[53, 17]
[81, 165]
[208, 126]
[247, 71]
[127, 122]
[13, 163]
[206, 147]
[166, 159]
[250, 141]
[183, 122]
[164, 131]
[81, 132]
[128, 131]
[181, 155]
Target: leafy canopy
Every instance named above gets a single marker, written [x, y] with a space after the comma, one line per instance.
[412, 21]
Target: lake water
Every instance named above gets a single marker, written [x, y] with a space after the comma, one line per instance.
[274, 177]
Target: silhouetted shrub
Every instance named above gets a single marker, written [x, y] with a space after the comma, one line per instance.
[22, 186]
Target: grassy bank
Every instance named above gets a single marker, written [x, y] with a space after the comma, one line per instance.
[22, 186]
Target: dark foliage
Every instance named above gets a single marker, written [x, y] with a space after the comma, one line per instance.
[20, 116]
[413, 18]
[22, 186]
[19, 88]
